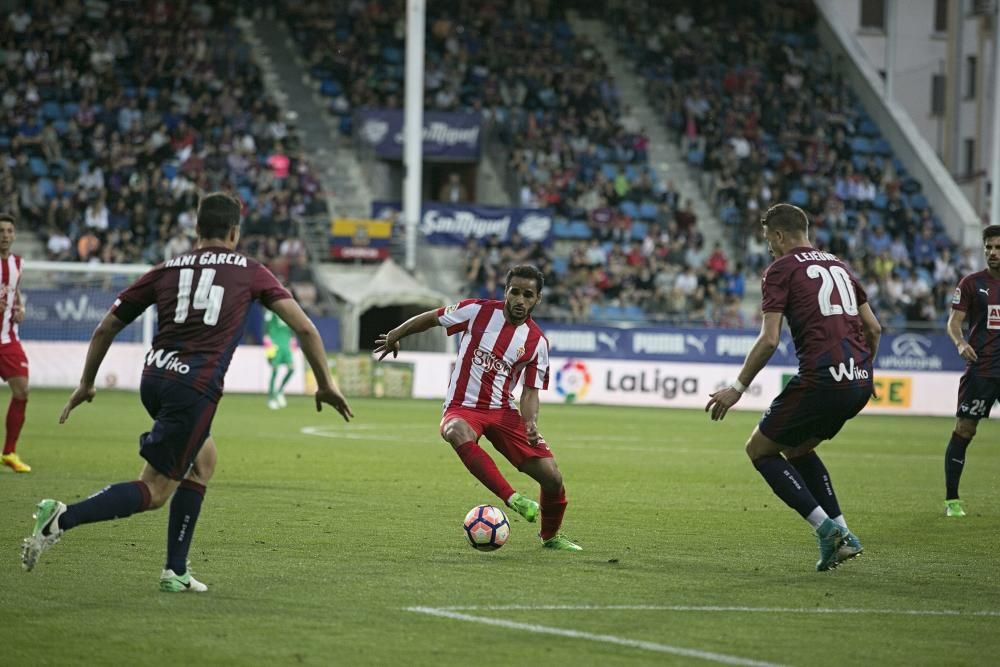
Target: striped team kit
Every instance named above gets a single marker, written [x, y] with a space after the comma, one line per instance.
[13, 361]
[493, 356]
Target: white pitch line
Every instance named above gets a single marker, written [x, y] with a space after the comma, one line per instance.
[721, 658]
[763, 610]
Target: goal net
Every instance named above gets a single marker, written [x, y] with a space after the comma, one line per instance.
[65, 301]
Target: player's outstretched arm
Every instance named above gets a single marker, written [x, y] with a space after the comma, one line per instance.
[312, 346]
[100, 342]
[763, 348]
[870, 327]
[955, 320]
[389, 342]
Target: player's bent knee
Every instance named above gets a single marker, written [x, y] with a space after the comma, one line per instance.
[157, 500]
[966, 428]
[456, 432]
[554, 482]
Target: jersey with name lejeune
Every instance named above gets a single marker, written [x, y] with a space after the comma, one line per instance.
[202, 302]
[819, 296]
[493, 355]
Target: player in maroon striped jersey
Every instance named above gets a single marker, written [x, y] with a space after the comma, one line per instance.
[836, 337]
[977, 299]
[500, 344]
[13, 361]
[202, 299]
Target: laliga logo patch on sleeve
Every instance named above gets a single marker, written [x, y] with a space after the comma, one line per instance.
[957, 298]
[451, 309]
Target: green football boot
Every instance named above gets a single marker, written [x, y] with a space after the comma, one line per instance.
[45, 534]
[953, 508]
[526, 507]
[830, 536]
[560, 543]
[180, 583]
[851, 548]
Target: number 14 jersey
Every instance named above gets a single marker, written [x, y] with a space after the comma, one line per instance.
[202, 302]
[819, 297]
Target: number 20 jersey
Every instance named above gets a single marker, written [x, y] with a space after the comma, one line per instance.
[202, 302]
[819, 297]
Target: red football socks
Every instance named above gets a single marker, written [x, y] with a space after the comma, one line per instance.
[484, 469]
[15, 420]
[553, 509]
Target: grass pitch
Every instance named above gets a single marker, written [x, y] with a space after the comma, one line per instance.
[317, 539]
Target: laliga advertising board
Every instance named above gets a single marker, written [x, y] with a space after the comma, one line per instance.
[667, 384]
[613, 382]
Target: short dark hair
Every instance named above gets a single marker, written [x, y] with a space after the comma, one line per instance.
[786, 218]
[218, 212]
[990, 231]
[525, 271]
[8, 217]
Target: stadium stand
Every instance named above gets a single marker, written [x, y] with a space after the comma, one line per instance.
[756, 105]
[109, 136]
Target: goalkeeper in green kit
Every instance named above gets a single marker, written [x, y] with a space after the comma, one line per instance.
[278, 345]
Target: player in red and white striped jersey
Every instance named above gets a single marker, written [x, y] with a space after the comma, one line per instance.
[13, 361]
[500, 346]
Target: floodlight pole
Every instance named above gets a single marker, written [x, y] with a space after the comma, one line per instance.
[890, 50]
[413, 126]
[995, 161]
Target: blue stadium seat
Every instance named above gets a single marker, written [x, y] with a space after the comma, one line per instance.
[868, 128]
[881, 201]
[634, 313]
[346, 124]
[38, 167]
[47, 187]
[52, 111]
[392, 55]
[918, 201]
[60, 126]
[798, 196]
[169, 171]
[639, 230]
[561, 229]
[609, 170]
[631, 173]
[246, 196]
[648, 211]
[560, 265]
[882, 147]
[330, 88]
[875, 219]
[696, 157]
[579, 230]
[730, 215]
[861, 145]
[630, 209]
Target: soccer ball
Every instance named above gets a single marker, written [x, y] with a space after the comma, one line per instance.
[486, 527]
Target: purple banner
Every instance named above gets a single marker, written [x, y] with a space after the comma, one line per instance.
[447, 136]
[447, 224]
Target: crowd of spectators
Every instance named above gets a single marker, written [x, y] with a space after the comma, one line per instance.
[115, 116]
[552, 103]
[756, 104]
